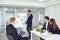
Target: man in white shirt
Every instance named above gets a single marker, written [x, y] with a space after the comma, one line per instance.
[47, 24]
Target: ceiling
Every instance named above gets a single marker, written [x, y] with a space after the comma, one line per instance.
[39, 1]
[29, 3]
[34, 9]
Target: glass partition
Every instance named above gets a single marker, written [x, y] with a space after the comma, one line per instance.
[19, 12]
[2, 17]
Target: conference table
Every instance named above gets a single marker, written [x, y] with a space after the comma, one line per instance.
[45, 35]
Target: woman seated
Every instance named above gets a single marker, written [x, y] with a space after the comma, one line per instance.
[55, 28]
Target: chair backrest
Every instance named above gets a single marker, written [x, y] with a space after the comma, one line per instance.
[10, 37]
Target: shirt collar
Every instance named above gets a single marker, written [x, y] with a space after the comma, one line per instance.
[12, 24]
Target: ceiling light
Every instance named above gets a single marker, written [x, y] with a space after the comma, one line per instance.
[40, 0]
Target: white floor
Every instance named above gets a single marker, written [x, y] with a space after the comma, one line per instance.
[3, 37]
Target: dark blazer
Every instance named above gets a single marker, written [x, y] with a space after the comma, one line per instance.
[11, 30]
[29, 20]
[57, 31]
[48, 27]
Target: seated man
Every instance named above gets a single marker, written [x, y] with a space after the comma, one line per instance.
[12, 31]
[47, 26]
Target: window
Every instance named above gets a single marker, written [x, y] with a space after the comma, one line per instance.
[40, 16]
[21, 18]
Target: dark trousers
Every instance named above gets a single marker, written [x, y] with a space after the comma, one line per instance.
[42, 38]
[25, 38]
[29, 28]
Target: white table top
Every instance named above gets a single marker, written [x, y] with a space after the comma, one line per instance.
[46, 35]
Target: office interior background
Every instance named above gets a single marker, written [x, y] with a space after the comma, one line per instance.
[19, 8]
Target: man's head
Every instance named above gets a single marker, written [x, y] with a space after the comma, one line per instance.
[29, 12]
[46, 18]
[12, 20]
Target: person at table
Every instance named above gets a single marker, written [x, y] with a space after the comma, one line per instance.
[55, 28]
[12, 31]
[29, 22]
[47, 25]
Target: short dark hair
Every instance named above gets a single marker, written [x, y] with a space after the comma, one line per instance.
[29, 10]
[46, 17]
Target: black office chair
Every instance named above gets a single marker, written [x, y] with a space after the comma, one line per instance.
[10, 37]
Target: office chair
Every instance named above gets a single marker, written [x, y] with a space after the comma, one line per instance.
[10, 37]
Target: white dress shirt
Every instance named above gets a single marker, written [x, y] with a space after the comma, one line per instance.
[46, 25]
[28, 15]
[12, 24]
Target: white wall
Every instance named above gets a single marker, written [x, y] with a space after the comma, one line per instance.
[54, 12]
[0, 18]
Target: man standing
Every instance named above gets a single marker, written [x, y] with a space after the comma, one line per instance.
[29, 22]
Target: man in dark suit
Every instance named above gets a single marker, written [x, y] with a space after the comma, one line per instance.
[47, 26]
[12, 31]
[29, 22]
